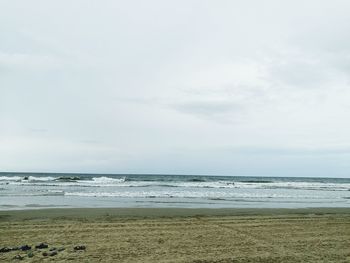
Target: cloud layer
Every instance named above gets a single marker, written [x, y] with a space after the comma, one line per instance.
[200, 87]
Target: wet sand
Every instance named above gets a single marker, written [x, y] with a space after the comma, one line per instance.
[180, 235]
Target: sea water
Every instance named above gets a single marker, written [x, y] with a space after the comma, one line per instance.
[42, 190]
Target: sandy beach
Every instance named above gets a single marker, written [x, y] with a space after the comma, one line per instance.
[178, 235]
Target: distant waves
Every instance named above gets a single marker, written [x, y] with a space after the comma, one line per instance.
[92, 190]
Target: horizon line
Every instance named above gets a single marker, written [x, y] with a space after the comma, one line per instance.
[169, 174]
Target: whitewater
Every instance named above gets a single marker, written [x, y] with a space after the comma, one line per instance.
[45, 190]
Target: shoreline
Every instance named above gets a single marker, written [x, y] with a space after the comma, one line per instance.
[95, 213]
[45, 191]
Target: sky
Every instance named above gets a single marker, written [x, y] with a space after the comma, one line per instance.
[243, 87]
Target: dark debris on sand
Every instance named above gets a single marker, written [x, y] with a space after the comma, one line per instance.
[53, 251]
[18, 257]
[25, 248]
[81, 247]
[41, 246]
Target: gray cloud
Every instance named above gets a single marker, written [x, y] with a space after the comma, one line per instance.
[206, 108]
[289, 151]
[154, 86]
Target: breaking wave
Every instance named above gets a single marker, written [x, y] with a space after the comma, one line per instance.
[108, 180]
[105, 181]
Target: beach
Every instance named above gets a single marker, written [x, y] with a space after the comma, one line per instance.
[175, 131]
[178, 234]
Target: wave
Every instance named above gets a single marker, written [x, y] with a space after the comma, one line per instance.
[196, 180]
[152, 185]
[26, 178]
[62, 180]
[107, 180]
[68, 178]
[55, 192]
[307, 186]
[104, 181]
[227, 196]
[49, 193]
[256, 181]
[10, 178]
[39, 179]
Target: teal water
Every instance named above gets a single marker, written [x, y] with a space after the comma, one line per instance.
[42, 190]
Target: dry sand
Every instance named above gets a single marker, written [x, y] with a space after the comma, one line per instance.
[180, 235]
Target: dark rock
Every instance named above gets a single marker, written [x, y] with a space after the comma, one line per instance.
[5, 250]
[80, 247]
[60, 249]
[52, 249]
[26, 178]
[45, 254]
[30, 254]
[25, 248]
[41, 246]
[19, 257]
[53, 253]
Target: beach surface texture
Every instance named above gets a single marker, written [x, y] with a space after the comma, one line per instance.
[176, 235]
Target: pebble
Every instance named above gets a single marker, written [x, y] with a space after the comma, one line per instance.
[19, 257]
[5, 249]
[53, 253]
[79, 247]
[25, 248]
[41, 246]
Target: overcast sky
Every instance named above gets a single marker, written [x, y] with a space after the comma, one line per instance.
[187, 87]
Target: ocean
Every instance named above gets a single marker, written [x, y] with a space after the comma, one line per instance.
[50, 190]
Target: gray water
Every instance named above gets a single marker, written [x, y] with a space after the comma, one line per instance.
[43, 190]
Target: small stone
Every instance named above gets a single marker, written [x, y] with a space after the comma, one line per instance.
[52, 249]
[41, 246]
[5, 250]
[45, 254]
[79, 247]
[30, 254]
[25, 248]
[60, 249]
[19, 257]
[53, 253]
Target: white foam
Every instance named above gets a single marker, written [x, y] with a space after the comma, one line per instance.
[40, 179]
[10, 178]
[28, 178]
[192, 194]
[301, 186]
[107, 180]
